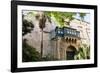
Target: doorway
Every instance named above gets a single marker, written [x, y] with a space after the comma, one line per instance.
[70, 53]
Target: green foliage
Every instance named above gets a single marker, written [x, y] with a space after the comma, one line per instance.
[30, 13]
[49, 57]
[61, 16]
[82, 15]
[29, 53]
[27, 27]
[83, 53]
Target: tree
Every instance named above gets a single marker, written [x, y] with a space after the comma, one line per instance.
[26, 26]
[83, 53]
[82, 15]
[61, 17]
[42, 22]
[29, 53]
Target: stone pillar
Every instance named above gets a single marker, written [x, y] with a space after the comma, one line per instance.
[58, 48]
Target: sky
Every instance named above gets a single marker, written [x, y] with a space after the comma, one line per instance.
[86, 18]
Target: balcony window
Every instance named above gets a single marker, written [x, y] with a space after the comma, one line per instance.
[58, 32]
[68, 32]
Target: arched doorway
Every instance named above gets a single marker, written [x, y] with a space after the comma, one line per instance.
[70, 53]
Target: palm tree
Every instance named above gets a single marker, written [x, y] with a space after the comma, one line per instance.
[42, 22]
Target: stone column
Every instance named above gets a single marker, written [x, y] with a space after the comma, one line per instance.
[58, 48]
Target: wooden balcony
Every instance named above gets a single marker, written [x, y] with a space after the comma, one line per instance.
[64, 32]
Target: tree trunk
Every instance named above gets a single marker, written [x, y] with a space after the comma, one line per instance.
[42, 43]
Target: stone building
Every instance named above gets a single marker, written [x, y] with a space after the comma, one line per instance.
[67, 42]
[84, 28]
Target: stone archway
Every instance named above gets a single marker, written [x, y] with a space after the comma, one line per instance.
[70, 52]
